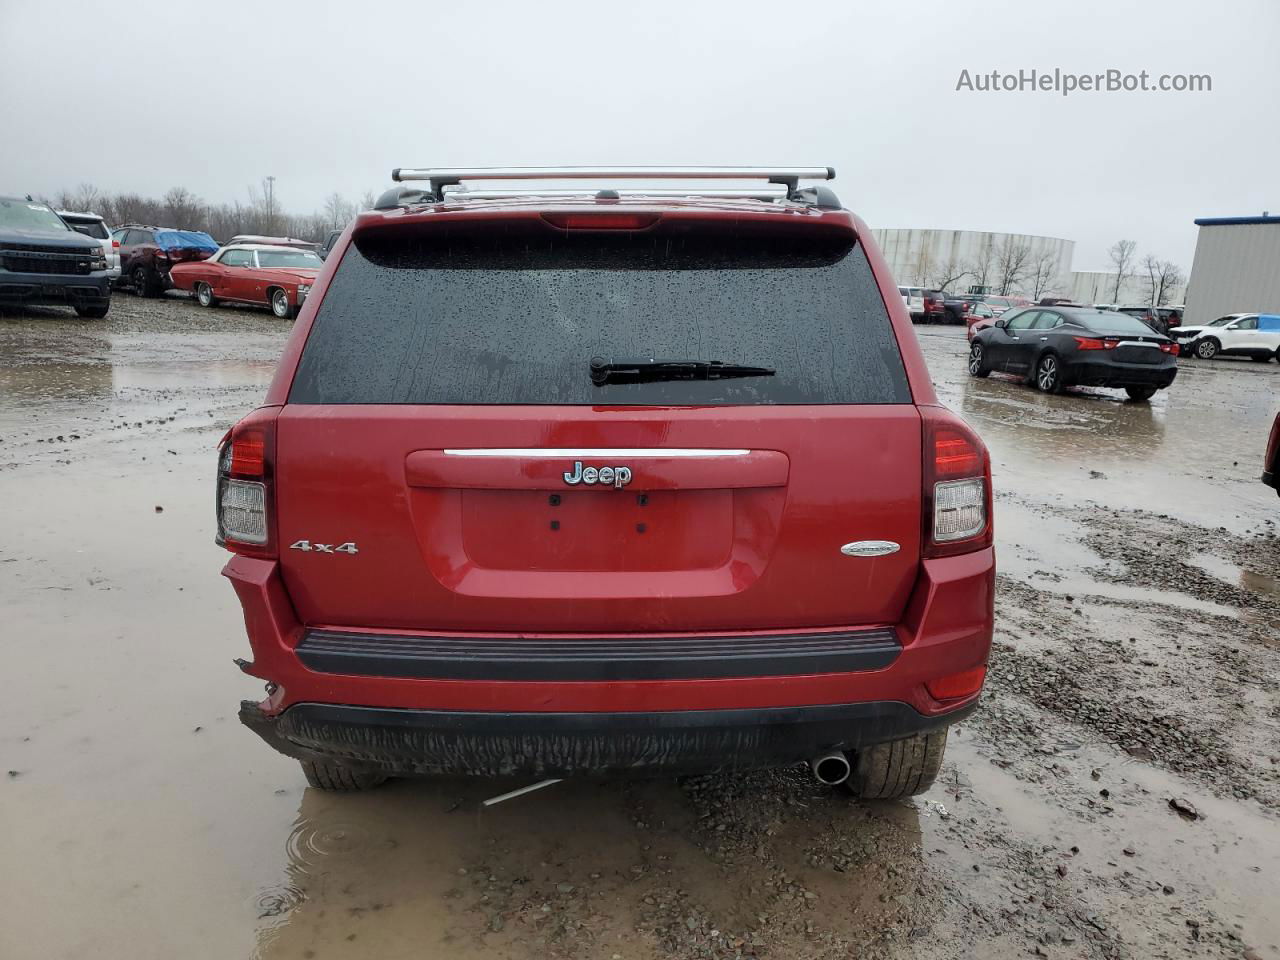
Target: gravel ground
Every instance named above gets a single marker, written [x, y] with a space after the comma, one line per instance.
[1116, 795]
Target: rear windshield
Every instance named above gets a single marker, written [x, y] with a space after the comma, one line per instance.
[90, 228]
[516, 319]
[1109, 322]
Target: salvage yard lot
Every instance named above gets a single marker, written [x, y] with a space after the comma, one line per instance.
[1136, 657]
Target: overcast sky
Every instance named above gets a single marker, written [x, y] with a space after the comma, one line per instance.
[330, 96]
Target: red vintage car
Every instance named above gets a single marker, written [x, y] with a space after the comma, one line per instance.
[274, 276]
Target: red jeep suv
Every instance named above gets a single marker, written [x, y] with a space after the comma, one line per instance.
[608, 482]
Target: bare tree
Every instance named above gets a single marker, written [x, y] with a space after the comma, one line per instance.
[923, 267]
[182, 209]
[983, 266]
[1121, 254]
[1163, 277]
[948, 273]
[368, 199]
[1044, 274]
[1011, 263]
[337, 211]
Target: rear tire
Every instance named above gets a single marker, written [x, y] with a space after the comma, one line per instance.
[204, 295]
[978, 361]
[1207, 349]
[142, 285]
[1140, 394]
[324, 775]
[93, 313]
[899, 768]
[1049, 373]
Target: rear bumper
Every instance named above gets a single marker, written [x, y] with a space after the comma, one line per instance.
[1112, 373]
[410, 742]
[420, 709]
[43, 289]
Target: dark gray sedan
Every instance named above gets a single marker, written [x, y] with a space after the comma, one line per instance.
[1056, 347]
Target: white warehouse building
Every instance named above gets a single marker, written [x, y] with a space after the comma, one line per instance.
[959, 259]
[1236, 268]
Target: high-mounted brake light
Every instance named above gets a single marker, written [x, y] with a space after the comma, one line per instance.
[602, 221]
[245, 502]
[957, 486]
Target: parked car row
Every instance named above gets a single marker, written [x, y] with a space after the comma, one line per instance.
[72, 258]
[937, 306]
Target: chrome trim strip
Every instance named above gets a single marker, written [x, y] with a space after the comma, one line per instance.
[579, 453]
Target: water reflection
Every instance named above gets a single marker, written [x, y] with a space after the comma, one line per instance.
[420, 868]
[1074, 426]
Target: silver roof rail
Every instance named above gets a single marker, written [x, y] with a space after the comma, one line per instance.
[440, 177]
[762, 193]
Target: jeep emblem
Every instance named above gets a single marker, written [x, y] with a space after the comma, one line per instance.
[618, 477]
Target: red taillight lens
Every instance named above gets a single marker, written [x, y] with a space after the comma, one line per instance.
[956, 491]
[248, 453]
[1093, 343]
[602, 221]
[115, 244]
[246, 489]
[956, 685]
[955, 455]
[1169, 348]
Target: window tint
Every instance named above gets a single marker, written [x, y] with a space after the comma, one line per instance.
[137, 237]
[1022, 320]
[515, 317]
[1046, 320]
[89, 227]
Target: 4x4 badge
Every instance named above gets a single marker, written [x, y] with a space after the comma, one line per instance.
[619, 477]
[308, 546]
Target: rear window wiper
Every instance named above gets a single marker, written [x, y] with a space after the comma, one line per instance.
[648, 370]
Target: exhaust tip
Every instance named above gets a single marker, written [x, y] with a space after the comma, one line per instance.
[831, 768]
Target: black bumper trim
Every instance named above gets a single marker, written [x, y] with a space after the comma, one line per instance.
[407, 742]
[600, 659]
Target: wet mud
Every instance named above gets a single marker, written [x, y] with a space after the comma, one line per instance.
[1116, 795]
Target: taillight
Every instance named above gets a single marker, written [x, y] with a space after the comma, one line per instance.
[245, 493]
[957, 486]
[1092, 343]
[162, 255]
[1169, 348]
[115, 244]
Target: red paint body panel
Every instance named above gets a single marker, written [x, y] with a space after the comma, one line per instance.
[947, 629]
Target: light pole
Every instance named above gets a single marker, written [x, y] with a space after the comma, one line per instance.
[271, 203]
